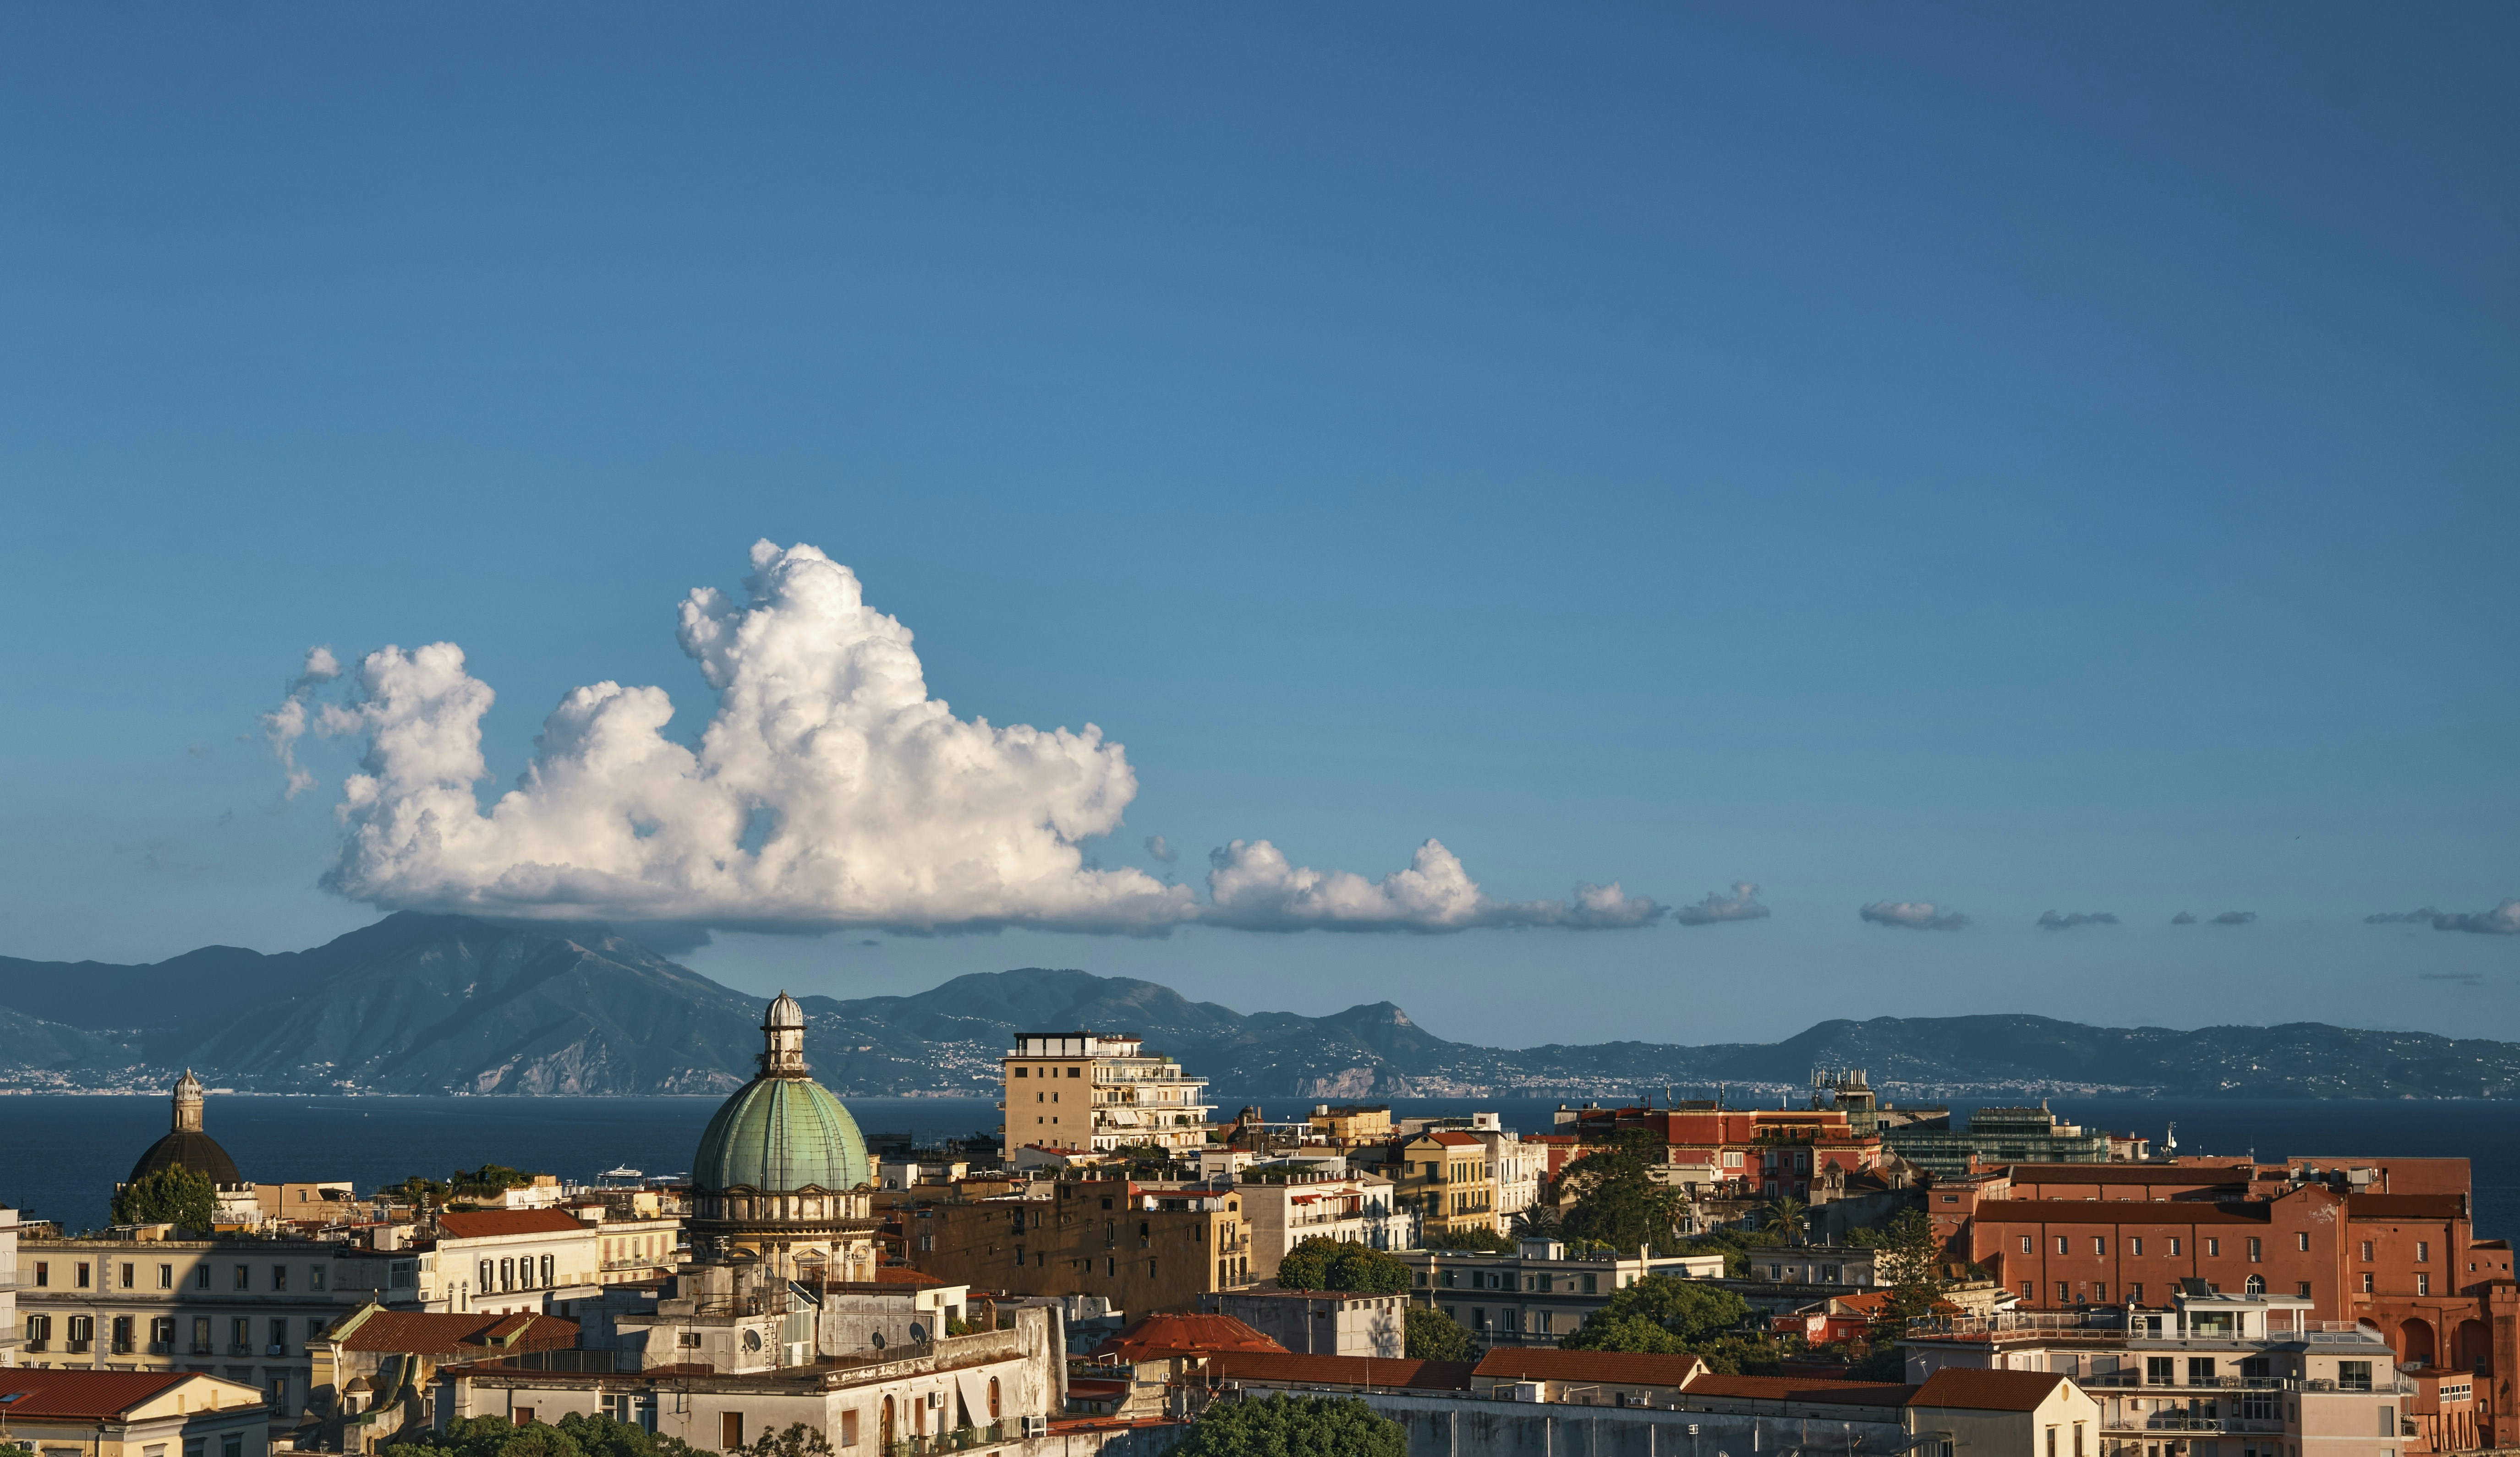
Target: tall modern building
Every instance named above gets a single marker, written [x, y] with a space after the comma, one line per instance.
[1077, 1090]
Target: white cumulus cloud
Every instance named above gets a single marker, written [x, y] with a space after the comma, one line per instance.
[1742, 906]
[1914, 916]
[286, 724]
[827, 789]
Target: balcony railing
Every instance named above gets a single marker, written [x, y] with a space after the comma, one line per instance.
[80, 1348]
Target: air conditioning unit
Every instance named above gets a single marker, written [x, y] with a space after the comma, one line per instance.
[935, 1401]
[1036, 1425]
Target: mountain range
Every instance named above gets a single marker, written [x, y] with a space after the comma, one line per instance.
[421, 1003]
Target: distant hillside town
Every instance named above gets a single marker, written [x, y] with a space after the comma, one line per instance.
[1124, 1260]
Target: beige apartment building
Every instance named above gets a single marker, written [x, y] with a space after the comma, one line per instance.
[1078, 1090]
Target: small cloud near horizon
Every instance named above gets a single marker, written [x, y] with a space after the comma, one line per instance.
[2050, 920]
[2183, 918]
[2502, 921]
[1742, 906]
[2235, 918]
[1913, 915]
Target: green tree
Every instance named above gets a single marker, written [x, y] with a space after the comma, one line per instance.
[600, 1436]
[1433, 1336]
[1786, 1215]
[798, 1441]
[1294, 1427]
[1318, 1264]
[169, 1196]
[488, 1179]
[1691, 1312]
[1910, 1264]
[1480, 1241]
[1617, 1200]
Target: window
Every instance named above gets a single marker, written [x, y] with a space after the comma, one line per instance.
[2366, 1252]
[2257, 1249]
[2051, 1442]
[547, 1270]
[43, 1273]
[2174, 1246]
[2060, 1244]
[2025, 1244]
[2100, 1289]
[729, 1429]
[2389, 1422]
[2099, 1246]
[1075, 1071]
[2200, 1371]
[240, 1336]
[2135, 1246]
[162, 1331]
[243, 1279]
[2423, 1252]
[2301, 1288]
[2061, 1297]
[2254, 1286]
[2213, 1249]
[231, 1444]
[280, 1277]
[200, 1335]
[2300, 1241]
[165, 1277]
[314, 1328]
[2366, 1282]
[79, 1275]
[2134, 1295]
[849, 1419]
[2025, 1291]
[1588, 1288]
[314, 1277]
[201, 1277]
[2353, 1376]
[1024, 1071]
[2423, 1284]
[280, 1333]
[130, 1280]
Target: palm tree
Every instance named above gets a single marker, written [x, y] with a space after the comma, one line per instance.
[1786, 1215]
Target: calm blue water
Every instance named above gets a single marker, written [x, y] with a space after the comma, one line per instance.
[60, 1153]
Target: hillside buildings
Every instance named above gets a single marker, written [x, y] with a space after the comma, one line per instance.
[1540, 1294]
[1288, 1200]
[1079, 1090]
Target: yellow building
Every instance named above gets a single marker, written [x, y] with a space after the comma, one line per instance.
[1446, 1176]
[1080, 1091]
[1352, 1127]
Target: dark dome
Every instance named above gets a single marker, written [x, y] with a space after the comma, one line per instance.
[193, 1150]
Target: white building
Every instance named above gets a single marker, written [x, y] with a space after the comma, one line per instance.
[1079, 1090]
[505, 1261]
[9, 1337]
[1539, 1295]
[2254, 1374]
[1292, 1200]
[1517, 1167]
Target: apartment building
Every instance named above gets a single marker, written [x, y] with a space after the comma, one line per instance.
[1538, 1295]
[9, 1328]
[1288, 1201]
[510, 1262]
[1444, 1177]
[1078, 1090]
[1738, 1153]
[1142, 1248]
[1350, 1126]
[1514, 1165]
[2238, 1375]
[241, 1310]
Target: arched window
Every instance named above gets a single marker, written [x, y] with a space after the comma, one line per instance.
[993, 1399]
[2257, 1285]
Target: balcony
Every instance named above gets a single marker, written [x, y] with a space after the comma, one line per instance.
[81, 1347]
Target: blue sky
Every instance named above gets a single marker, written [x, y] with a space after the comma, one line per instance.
[2013, 460]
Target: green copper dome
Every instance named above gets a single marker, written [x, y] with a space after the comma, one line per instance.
[779, 1135]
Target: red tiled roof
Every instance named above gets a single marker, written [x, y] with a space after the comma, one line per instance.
[902, 1274]
[1972, 1390]
[1627, 1368]
[1803, 1389]
[1342, 1371]
[2405, 1206]
[1184, 1335]
[2127, 1211]
[83, 1395]
[1450, 1137]
[481, 1224]
[421, 1333]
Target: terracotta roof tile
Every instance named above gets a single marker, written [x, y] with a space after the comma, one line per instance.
[1342, 1371]
[422, 1333]
[1802, 1388]
[2131, 1211]
[1628, 1368]
[490, 1224]
[1184, 1335]
[1971, 1390]
[81, 1395]
[900, 1274]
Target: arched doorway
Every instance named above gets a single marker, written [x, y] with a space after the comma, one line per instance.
[2475, 1350]
[2415, 1342]
[887, 1424]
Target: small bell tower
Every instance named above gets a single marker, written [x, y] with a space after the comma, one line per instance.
[782, 1040]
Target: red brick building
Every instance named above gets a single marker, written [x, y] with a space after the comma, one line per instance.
[1765, 1153]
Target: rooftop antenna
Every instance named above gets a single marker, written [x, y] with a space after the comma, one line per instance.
[2169, 1144]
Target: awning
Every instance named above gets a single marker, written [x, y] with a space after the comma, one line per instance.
[974, 1385]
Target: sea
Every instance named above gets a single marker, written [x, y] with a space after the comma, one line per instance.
[61, 1153]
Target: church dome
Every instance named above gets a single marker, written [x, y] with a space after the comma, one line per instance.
[778, 1136]
[188, 1149]
[785, 1012]
[184, 1146]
